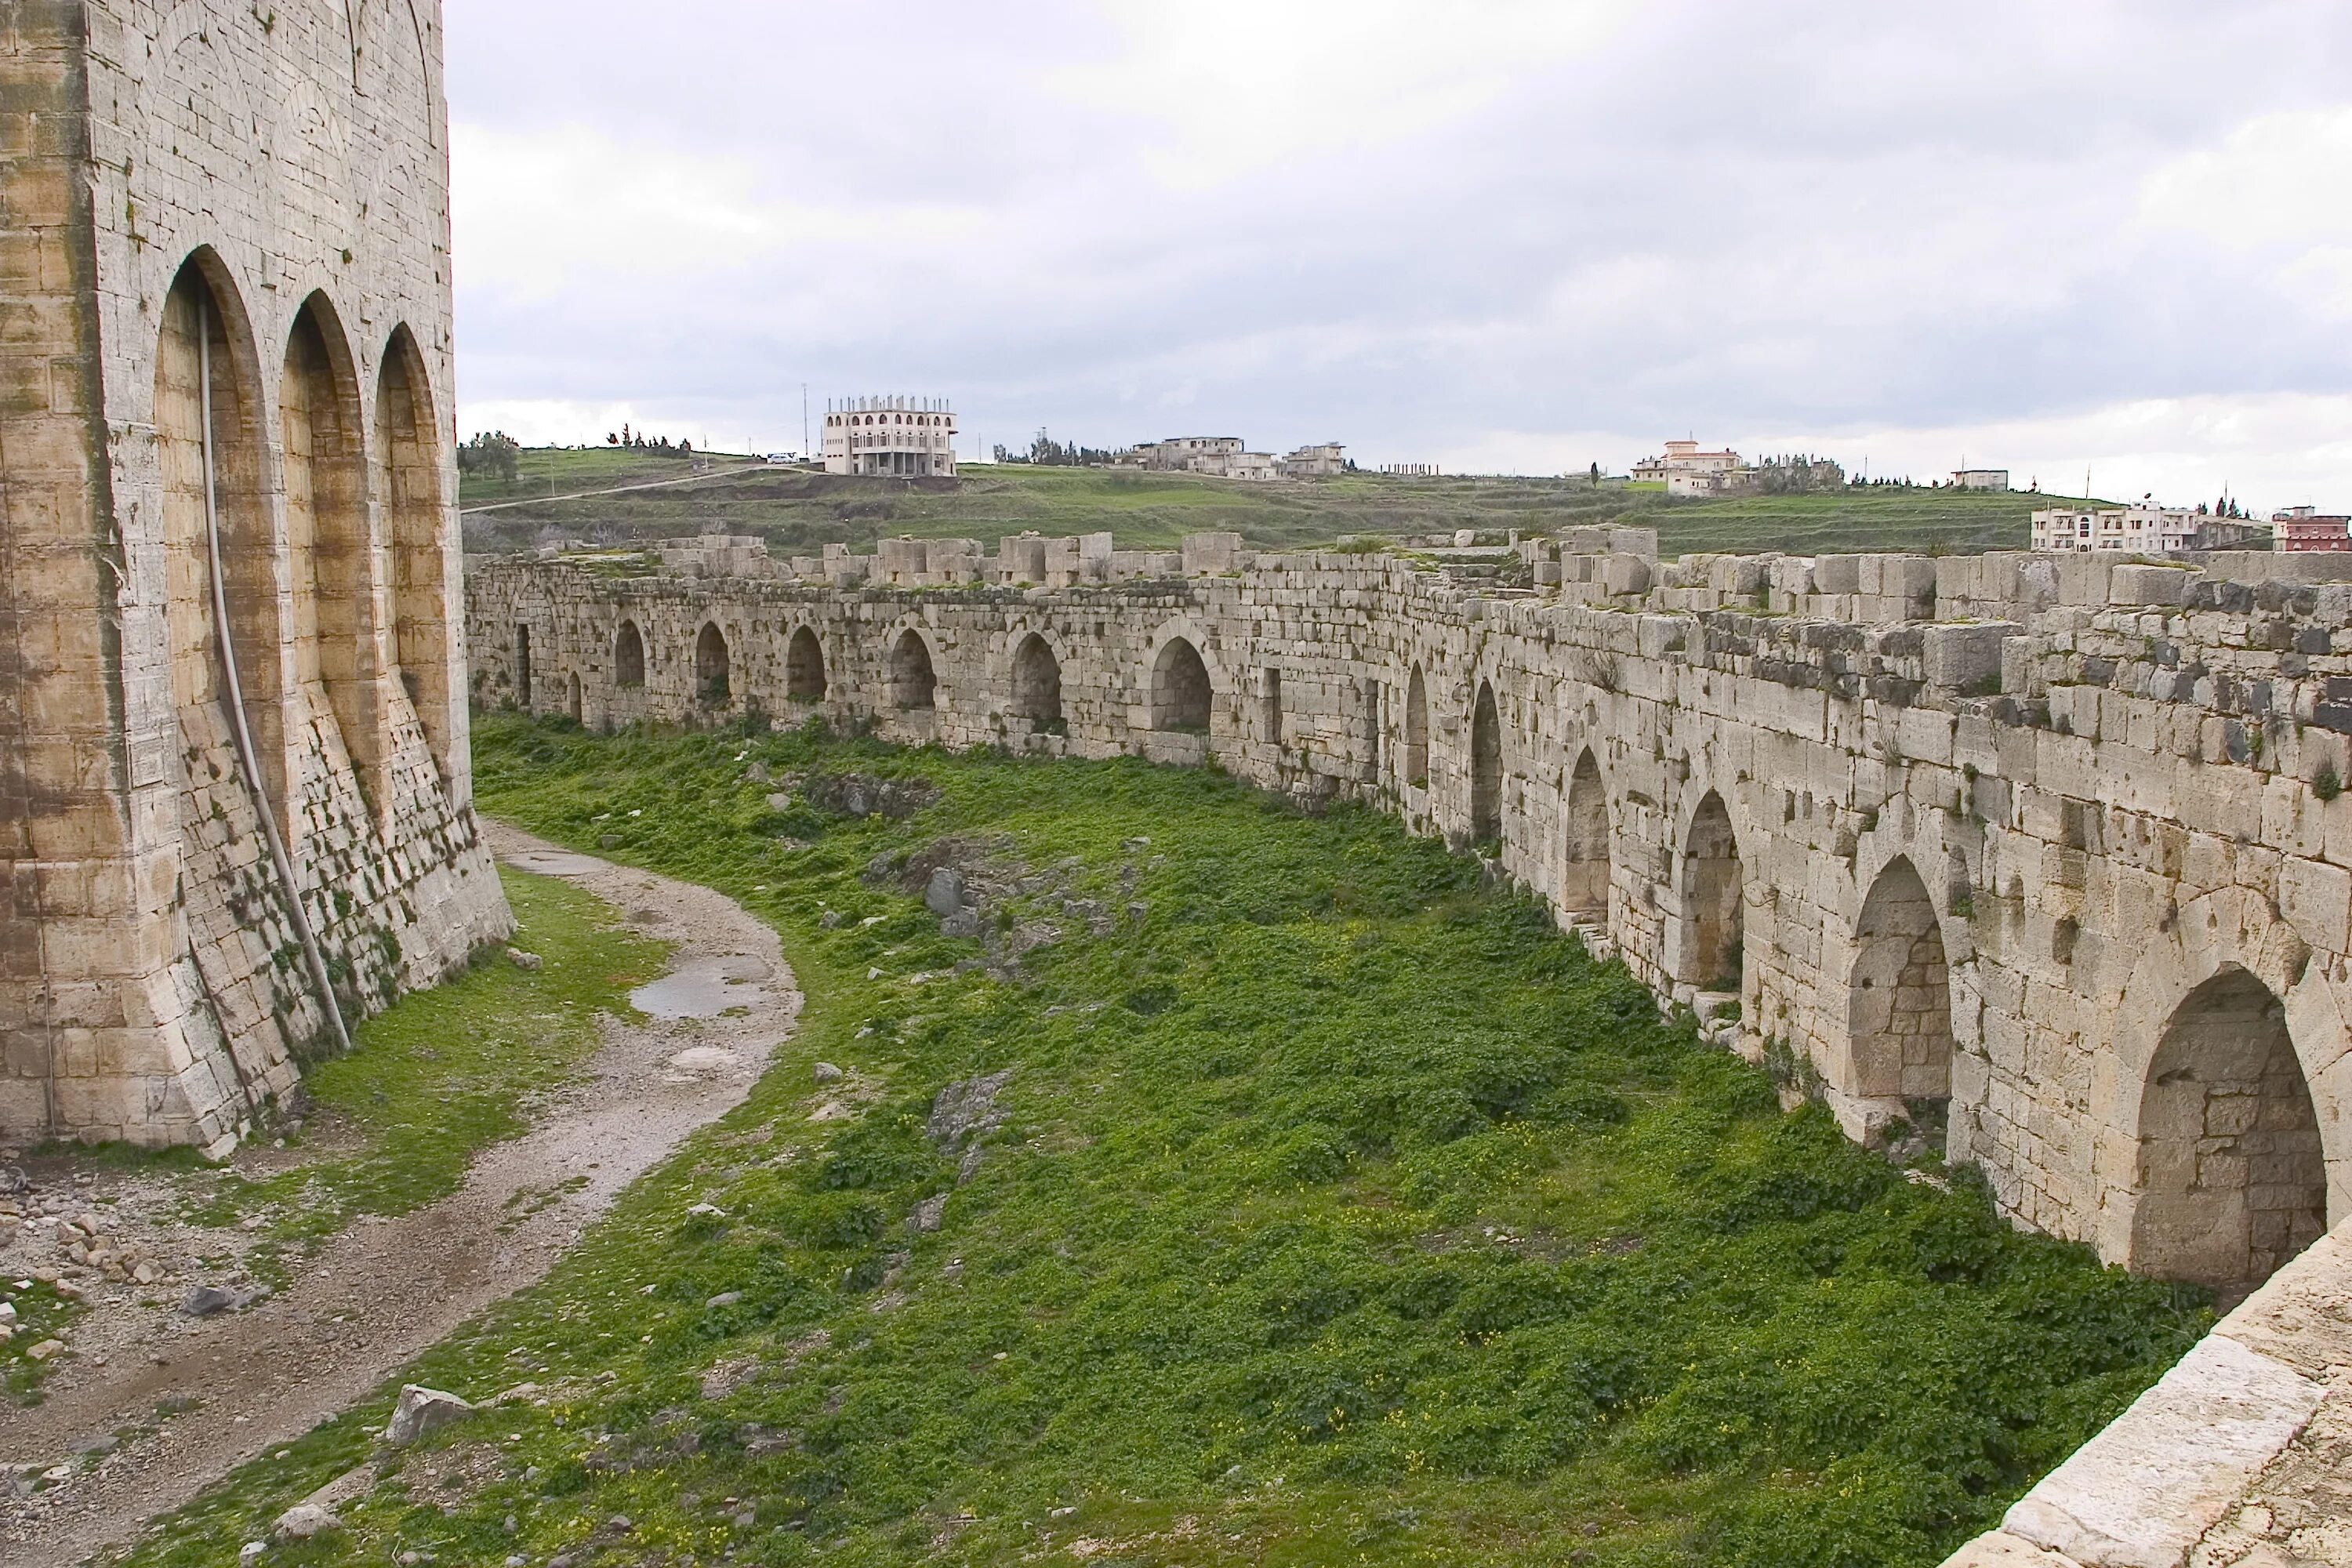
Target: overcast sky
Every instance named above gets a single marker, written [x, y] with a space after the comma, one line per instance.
[1499, 235]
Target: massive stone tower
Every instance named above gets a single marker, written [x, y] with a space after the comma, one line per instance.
[224, 398]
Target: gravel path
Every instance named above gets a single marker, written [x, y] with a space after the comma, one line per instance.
[380, 1293]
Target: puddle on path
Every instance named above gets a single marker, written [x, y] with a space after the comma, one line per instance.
[703, 987]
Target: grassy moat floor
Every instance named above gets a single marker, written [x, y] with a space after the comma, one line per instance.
[1303, 1202]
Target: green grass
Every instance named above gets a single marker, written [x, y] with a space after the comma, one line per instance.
[798, 511]
[442, 1074]
[1346, 1213]
[542, 471]
[41, 1314]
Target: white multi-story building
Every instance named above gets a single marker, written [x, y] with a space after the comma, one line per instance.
[894, 437]
[2140, 530]
[1688, 471]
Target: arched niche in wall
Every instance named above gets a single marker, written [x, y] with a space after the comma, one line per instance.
[1486, 768]
[204, 320]
[416, 530]
[1181, 697]
[1584, 873]
[1037, 683]
[804, 667]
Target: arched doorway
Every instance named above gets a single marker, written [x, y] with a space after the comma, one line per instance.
[203, 355]
[1486, 768]
[1899, 994]
[1037, 683]
[914, 684]
[408, 484]
[1416, 731]
[1713, 891]
[711, 686]
[1181, 694]
[572, 702]
[327, 538]
[523, 696]
[1584, 873]
[629, 656]
[2232, 1179]
[804, 667]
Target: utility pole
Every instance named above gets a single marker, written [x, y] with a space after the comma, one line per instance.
[805, 423]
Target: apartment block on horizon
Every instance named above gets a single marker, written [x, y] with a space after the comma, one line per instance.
[1320, 461]
[1687, 470]
[2301, 528]
[2145, 530]
[1217, 457]
[890, 437]
[1980, 479]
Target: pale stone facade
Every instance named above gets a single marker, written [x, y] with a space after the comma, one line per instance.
[211, 204]
[2048, 845]
[890, 437]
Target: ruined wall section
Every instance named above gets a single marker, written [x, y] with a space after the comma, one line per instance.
[288, 169]
[2087, 795]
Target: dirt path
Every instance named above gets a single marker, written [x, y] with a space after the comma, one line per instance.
[612, 489]
[379, 1293]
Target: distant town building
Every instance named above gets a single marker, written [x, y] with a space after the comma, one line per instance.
[894, 437]
[2141, 530]
[2231, 533]
[1317, 462]
[1411, 470]
[1688, 471]
[2304, 527]
[1219, 457]
[1980, 479]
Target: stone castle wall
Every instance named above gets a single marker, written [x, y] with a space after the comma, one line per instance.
[2049, 847]
[210, 203]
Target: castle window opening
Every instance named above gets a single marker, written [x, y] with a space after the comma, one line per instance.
[522, 668]
[571, 698]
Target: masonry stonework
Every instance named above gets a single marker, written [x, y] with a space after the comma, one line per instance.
[223, 263]
[2047, 849]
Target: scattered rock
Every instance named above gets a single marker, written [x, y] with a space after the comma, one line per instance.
[303, 1520]
[829, 919]
[861, 794]
[928, 1213]
[781, 801]
[45, 1350]
[724, 1299]
[208, 1301]
[421, 1410]
[826, 1072]
[608, 841]
[967, 1110]
[832, 1110]
[528, 963]
[251, 1553]
[943, 894]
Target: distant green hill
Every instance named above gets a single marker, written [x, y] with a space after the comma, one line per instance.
[799, 511]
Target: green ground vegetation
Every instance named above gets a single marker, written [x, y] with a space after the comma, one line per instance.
[39, 1314]
[442, 1074]
[1343, 1211]
[799, 511]
[544, 471]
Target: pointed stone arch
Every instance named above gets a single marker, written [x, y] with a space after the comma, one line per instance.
[1711, 889]
[628, 657]
[1416, 730]
[1899, 995]
[408, 452]
[573, 704]
[525, 690]
[1037, 683]
[329, 542]
[914, 680]
[1586, 861]
[1183, 699]
[1485, 767]
[204, 318]
[805, 666]
[713, 671]
[2231, 1175]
